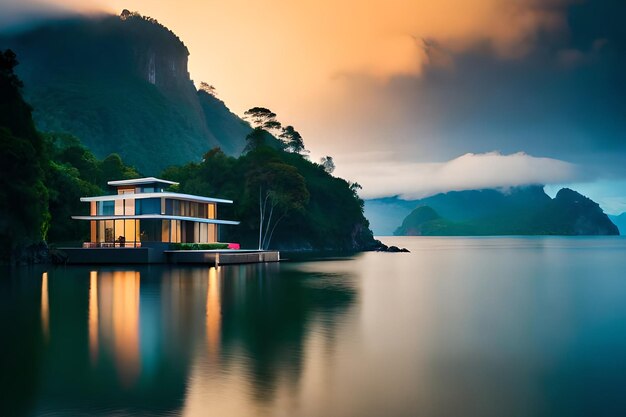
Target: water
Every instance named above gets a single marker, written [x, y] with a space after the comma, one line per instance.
[458, 327]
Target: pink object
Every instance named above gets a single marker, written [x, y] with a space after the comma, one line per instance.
[234, 246]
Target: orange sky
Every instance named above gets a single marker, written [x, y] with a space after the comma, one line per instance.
[350, 75]
[301, 58]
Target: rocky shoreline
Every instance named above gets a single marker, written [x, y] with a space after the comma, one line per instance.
[381, 247]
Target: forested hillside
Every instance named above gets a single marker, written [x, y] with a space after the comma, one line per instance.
[121, 84]
[43, 176]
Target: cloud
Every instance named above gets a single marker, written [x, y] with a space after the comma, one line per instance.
[16, 14]
[382, 176]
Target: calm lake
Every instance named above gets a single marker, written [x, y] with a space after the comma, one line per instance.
[458, 327]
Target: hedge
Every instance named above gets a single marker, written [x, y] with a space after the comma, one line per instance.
[198, 246]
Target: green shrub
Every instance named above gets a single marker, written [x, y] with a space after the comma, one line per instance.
[198, 246]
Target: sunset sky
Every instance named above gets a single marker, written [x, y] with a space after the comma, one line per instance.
[415, 97]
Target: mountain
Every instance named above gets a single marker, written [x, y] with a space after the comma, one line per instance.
[458, 206]
[518, 211]
[385, 213]
[121, 84]
[620, 222]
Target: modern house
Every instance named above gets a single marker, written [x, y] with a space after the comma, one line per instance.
[142, 222]
[142, 212]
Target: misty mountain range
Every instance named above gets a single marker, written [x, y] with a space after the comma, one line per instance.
[515, 211]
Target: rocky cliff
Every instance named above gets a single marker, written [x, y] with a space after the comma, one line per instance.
[121, 84]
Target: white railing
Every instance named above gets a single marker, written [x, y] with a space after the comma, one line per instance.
[93, 245]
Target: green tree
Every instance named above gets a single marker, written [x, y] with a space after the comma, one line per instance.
[281, 190]
[24, 215]
[293, 140]
[328, 164]
[208, 88]
[256, 138]
[113, 168]
[261, 117]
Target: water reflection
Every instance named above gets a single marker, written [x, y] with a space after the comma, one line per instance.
[213, 314]
[93, 316]
[45, 307]
[472, 327]
[162, 340]
[116, 305]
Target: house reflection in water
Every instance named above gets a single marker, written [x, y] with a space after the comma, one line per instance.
[114, 320]
[45, 307]
[93, 317]
[172, 340]
[213, 315]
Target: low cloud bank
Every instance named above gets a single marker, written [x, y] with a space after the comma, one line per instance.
[380, 176]
[15, 15]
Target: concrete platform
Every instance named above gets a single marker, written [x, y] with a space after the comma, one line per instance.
[221, 257]
[151, 255]
[108, 255]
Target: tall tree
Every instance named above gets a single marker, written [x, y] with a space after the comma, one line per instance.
[293, 140]
[281, 190]
[208, 88]
[328, 164]
[261, 117]
[256, 138]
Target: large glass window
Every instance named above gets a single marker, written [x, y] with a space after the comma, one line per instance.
[106, 208]
[129, 230]
[169, 206]
[212, 233]
[119, 228]
[212, 211]
[109, 232]
[148, 206]
[175, 232]
[165, 231]
[151, 230]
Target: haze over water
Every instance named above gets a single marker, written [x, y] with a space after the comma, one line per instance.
[460, 326]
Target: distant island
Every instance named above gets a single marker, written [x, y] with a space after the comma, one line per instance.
[516, 211]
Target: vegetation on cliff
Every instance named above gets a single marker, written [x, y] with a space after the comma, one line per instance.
[283, 200]
[42, 176]
[121, 84]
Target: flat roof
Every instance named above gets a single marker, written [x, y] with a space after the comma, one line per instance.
[157, 216]
[139, 181]
[186, 197]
